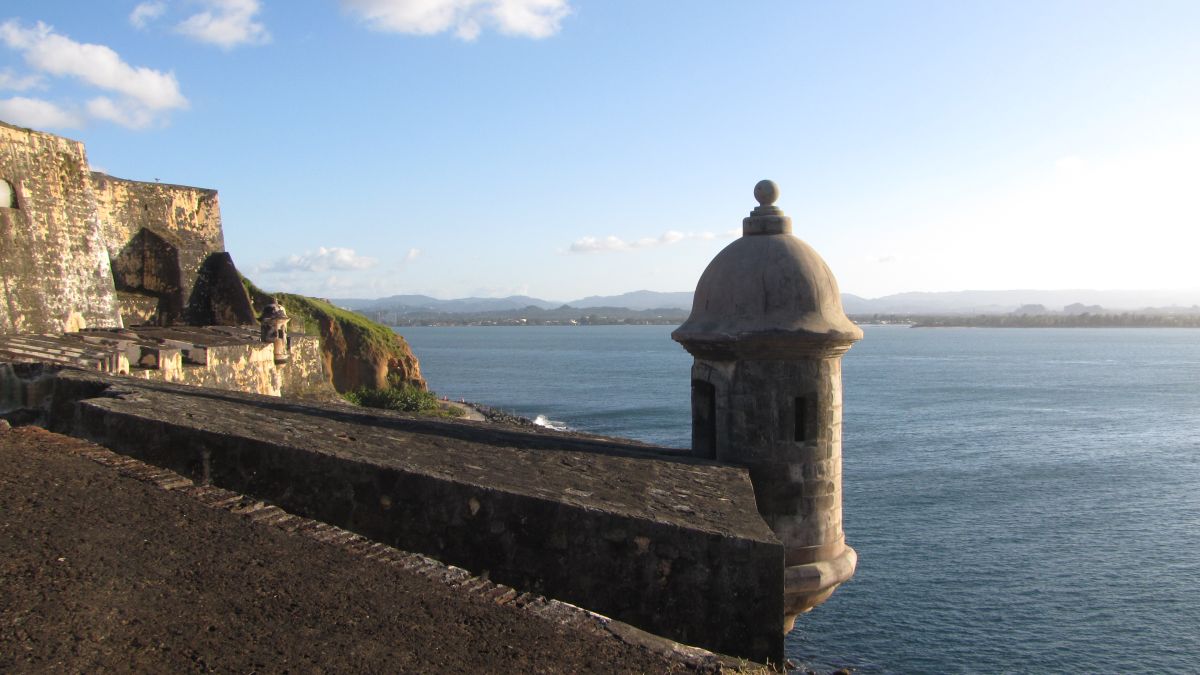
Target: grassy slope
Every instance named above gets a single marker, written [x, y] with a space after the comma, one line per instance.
[346, 336]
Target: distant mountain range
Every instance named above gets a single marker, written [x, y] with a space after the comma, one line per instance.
[405, 304]
[412, 304]
[951, 302]
[1003, 302]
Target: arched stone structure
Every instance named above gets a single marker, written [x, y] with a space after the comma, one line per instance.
[8, 195]
[149, 266]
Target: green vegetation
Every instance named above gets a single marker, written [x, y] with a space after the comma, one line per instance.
[308, 312]
[357, 351]
[403, 398]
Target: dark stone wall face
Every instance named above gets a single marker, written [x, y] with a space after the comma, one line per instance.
[137, 308]
[673, 547]
[797, 480]
[54, 265]
[219, 298]
[148, 265]
[187, 219]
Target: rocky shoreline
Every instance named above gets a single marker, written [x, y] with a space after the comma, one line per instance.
[497, 416]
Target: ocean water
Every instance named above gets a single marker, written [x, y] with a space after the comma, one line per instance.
[1022, 500]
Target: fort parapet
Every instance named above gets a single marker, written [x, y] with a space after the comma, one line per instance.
[84, 249]
[645, 535]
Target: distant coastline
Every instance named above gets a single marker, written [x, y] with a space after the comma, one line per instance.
[1087, 320]
[676, 317]
[533, 316]
[1078, 308]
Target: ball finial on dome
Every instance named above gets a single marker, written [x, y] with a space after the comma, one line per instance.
[766, 192]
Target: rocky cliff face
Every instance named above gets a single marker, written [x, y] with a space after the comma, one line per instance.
[357, 352]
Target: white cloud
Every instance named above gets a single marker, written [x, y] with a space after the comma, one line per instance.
[322, 260]
[466, 18]
[226, 24]
[13, 82]
[38, 114]
[145, 95]
[122, 113]
[146, 12]
[612, 243]
[412, 254]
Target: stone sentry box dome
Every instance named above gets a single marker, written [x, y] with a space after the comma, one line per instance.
[767, 331]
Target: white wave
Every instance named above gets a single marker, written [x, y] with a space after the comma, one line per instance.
[543, 421]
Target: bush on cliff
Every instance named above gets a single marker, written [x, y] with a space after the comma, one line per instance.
[405, 398]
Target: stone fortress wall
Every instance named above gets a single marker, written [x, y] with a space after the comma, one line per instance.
[84, 249]
[55, 269]
[118, 276]
[158, 238]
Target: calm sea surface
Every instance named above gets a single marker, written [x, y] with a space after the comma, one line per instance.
[1022, 500]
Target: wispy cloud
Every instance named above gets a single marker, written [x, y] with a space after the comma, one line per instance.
[611, 244]
[38, 114]
[227, 24]
[143, 95]
[336, 272]
[13, 82]
[321, 260]
[146, 12]
[465, 18]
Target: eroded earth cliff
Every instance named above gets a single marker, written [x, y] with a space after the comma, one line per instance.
[357, 351]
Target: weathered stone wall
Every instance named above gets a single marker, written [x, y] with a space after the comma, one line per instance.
[54, 262]
[245, 367]
[304, 374]
[175, 226]
[72, 241]
[219, 298]
[137, 309]
[220, 357]
[671, 545]
[756, 428]
[249, 367]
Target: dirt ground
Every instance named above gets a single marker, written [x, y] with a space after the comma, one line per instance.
[101, 572]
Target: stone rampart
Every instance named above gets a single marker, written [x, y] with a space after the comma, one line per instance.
[669, 544]
[54, 263]
[158, 236]
[83, 249]
[220, 357]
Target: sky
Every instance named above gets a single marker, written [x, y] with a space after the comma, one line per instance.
[566, 148]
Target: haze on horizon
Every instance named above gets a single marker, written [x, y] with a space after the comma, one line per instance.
[567, 148]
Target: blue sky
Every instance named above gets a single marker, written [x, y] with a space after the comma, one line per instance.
[563, 148]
